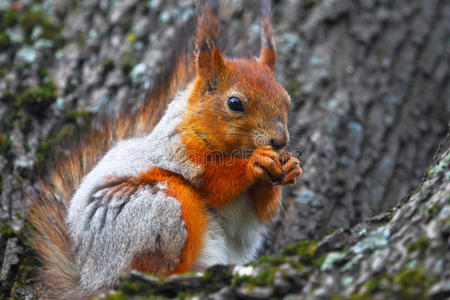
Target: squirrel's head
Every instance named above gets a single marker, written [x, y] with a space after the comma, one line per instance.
[235, 105]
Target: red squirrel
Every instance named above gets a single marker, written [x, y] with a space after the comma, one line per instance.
[184, 189]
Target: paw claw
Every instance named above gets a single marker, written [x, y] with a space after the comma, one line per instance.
[292, 170]
[267, 166]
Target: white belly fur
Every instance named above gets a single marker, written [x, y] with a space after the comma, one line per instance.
[233, 236]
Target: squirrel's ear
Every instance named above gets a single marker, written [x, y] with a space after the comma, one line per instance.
[208, 59]
[268, 55]
[209, 63]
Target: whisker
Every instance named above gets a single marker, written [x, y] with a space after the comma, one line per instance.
[283, 210]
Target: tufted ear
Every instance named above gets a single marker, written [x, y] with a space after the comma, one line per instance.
[268, 55]
[209, 62]
[208, 59]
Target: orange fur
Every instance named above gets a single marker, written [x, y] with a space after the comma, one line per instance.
[266, 199]
[193, 213]
[222, 140]
[146, 262]
[212, 133]
[224, 180]
[209, 125]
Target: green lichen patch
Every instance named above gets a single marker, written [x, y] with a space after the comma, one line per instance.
[78, 116]
[409, 283]
[413, 283]
[43, 151]
[38, 100]
[272, 260]
[136, 284]
[74, 124]
[5, 144]
[421, 244]
[432, 209]
[299, 255]
[207, 276]
[9, 18]
[366, 291]
[32, 19]
[127, 66]
[116, 296]
[183, 295]
[25, 125]
[33, 99]
[8, 98]
[440, 167]
[306, 250]
[52, 148]
[264, 276]
[318, 262]
[35, 29]
[131, 37]
[217, 275]
[6, 230]
[310, 3]
[294, 88]
[5, 42]
[130, 288]
[108, 65]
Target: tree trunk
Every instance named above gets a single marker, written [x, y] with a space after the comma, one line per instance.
[369, 82]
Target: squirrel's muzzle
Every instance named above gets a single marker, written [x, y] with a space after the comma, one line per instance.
[280, 138]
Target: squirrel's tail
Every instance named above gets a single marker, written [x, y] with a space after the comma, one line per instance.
[52, 243]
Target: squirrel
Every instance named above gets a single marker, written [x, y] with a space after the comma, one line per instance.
[188, 181]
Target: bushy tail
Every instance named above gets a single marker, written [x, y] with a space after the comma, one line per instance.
[52, 243]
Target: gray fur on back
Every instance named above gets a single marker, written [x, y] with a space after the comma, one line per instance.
[149, 221]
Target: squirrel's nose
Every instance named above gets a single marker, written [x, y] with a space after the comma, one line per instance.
[280, 137]
[279, 142]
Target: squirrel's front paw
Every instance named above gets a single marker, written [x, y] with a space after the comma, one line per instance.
[291, 168]
[266, 164]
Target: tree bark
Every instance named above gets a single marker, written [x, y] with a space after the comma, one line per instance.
[369, 82]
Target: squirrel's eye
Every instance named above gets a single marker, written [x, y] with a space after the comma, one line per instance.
[235, 104]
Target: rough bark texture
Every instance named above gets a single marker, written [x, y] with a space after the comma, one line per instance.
[369, 82]
[372, 84]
